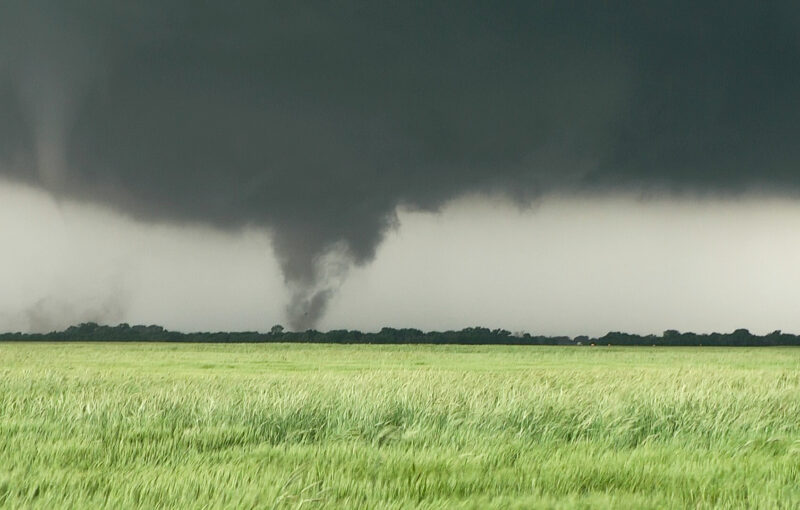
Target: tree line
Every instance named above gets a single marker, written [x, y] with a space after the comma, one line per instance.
[90, 331]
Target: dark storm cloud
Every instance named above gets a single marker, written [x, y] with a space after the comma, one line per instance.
[317, 120]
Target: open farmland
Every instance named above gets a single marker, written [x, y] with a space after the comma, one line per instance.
[119, 425]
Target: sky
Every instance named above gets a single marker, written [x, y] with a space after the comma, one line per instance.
[551, 167]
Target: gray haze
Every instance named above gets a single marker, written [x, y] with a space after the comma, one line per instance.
[570, 265]
[316, 121]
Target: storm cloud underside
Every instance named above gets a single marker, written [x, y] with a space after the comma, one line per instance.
[317, 121]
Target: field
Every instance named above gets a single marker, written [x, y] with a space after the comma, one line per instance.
[330, 426]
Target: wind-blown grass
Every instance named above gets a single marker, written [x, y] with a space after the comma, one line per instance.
[327, 426]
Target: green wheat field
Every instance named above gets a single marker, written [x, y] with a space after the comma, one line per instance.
[116, 425]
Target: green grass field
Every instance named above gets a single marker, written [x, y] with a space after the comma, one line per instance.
[329, 426]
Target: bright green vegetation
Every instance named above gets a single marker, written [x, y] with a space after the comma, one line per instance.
[336, 426]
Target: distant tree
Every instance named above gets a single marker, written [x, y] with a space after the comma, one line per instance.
[91, 331]
[741, 336]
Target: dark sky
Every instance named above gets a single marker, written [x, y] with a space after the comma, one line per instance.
[316, 120]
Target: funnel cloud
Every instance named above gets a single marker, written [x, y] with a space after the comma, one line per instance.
[318, 120]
